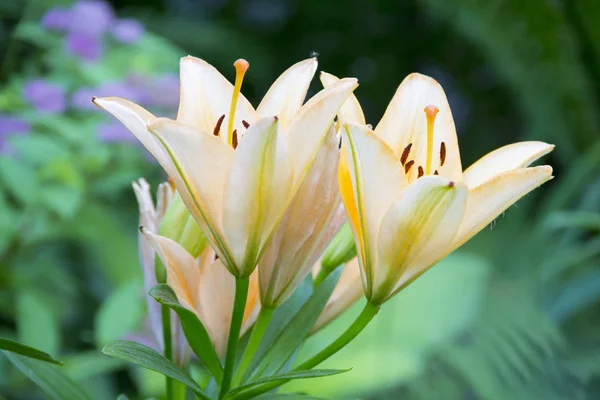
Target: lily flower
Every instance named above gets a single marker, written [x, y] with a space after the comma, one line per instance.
[204, 286]
[313, 218]
[408, 200]
[151, 216]
[237, 168]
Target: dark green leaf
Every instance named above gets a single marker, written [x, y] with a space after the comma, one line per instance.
[195, 332]
[18, 348]
[294, 333]
[49, 378]
[242, 391]
[147, 358]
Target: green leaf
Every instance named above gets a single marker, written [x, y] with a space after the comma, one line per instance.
[18, 348]
[294, 333]
[289, 396]
[195, 333]
[37, 322]
[120, 314]
[49, 378]
[244, 390]
[147, 358]
[122, 397]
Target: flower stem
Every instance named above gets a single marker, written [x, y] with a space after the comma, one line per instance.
[260, 326]
[353, 330]
[168, 348]
[239, 304]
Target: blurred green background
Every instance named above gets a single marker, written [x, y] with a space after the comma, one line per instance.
[512, 315]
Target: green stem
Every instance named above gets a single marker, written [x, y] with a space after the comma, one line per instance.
[179, 391]
[241, 293]
[353, 330]
[168, 348]
[321, 275]
[260, 326]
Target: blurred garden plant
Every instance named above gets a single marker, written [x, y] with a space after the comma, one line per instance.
[262, 186]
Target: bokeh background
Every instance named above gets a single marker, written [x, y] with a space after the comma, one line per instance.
[512, 315]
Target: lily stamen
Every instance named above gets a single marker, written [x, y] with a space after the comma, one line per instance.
[405, 154]
[442, 154]
[246, 124]
[420, 172]
[408, 165]
[430, 112]
[241, 66]
[218, 125]
[234, 139]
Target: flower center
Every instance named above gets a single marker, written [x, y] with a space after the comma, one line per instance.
[241, 66]
[431, 112]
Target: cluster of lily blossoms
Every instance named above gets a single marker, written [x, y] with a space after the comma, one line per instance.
[256, 195]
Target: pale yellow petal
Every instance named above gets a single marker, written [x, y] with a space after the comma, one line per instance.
[486, 202]
[404, 123]
[183, 274]
[206, 95]
[285, 97]
[216, 294]
[310, 125]
[416, 231]
[506, 158]
[374, 181]
[351, 111]
[202, 163]
[252, 304]
[136, 119]
[257, 192]
[347, 292]
[312, 219]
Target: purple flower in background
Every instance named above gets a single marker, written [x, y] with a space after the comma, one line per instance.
[56, 19]
[44, 96]
[10, 125]
[166, 91]
[127, 31]
[84, 46]
[82, 98]
[115, 132]
[91, 18]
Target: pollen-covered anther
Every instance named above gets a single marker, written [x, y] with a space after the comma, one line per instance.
[218, 125]
[451, 184]
[405, 154]
[442, 154]
[246, 124]
[408, 165]
[234, 139]
[420, 172]
[436, 172]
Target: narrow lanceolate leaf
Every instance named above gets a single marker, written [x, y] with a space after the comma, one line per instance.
[147, 358]
[292, 336]
[252, 387]
[49, 378]
[194, 330]
[18, 348]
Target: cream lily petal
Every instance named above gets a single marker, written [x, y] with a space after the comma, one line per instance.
[351, 111]
[416, 231]
[405, 122]
[488, 201]
[136, 119]
[206, 95]
[347, 292]
[310, 125]
[183, 274]
[371, 179]
[252, 304]
[285, 97]
[202, 163]
[257, 192]
[314, 216]
[506, 158]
